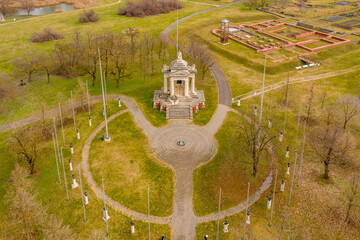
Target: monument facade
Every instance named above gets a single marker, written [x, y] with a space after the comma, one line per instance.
[179, 98]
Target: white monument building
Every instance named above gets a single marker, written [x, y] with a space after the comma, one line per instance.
[179, 98]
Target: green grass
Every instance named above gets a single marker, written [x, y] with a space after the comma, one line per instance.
[52, 194]
[226, 171]
[129, 167]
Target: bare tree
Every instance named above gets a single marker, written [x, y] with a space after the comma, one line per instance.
[89, 61]
[201, 56]
[46, 64]
[331, 145]
[81, 93]
[24, 215]
[352, 195]
[27, 63]
[55, 230]
[323, 98]
[329, 115]
[251, 4]
[350, 107]
[255, 143]
[133, 34]
[27, 5]
[5, 7]
[120, 60]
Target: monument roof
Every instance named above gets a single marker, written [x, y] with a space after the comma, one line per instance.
[179, 63]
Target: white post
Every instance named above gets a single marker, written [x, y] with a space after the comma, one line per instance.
[292, 180]
[132, 223]
[281, 136]
[119, 102]
[287, 152]
[86, 198]
[217, 234]
[105, 211]
[226, 226]
[247, 208]
[288, 169]
[62, 158]
[107, 138]
[82, 195]
[148, 211]
[282, 186]
[78, 134]
[70, 165]
[56, 159]
[238, 102]
[165, 84]
[74, 184]
[269, 202]
[73, 110]
[71, 148]
[62, 126]
[272, 207]
[302, 152]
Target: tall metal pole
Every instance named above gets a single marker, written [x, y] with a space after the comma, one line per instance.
[62, 157]
[177, 28]
[148, 211]
[103, 93]
[273, 201]
[82, 194]
[262, 99]
[302, 152]
[56, 158]
[106, 221]
[247, 207]
[217, 234]
[287, 101]
[292, 180]
[297, 129]
[271, 97]
[88, 100]
[105, 89]
[62, 125]
[57, 142]
[73, 110]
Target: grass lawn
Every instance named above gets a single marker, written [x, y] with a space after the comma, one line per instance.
[52, 194]
[129, 167]
[226, 171]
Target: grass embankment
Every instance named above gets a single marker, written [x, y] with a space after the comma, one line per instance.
[318, 206]
[52, 194]
[230, 170]
[27, 98]
[130, 167]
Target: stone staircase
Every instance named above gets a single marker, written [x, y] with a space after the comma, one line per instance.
[179, 112]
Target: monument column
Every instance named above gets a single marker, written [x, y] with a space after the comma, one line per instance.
[165, 83]
[171, 87]
[187, 88]
[193, 83]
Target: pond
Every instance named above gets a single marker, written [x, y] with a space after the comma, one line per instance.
[47, 9]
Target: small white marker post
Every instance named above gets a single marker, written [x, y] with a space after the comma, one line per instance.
[74, 184]
[269, 202]
[73, 110]
[78, 134]
[62, 159]
[70, 165]
[287, 152]
[302, 152]
[238, 102]
[292, 180]
[119, 102]
[282, 186]
[217, 234]
[62, 125]
[82, 195]
[56, 158]
[132, 224]
[288, 169]
[247, 208]
[272, 207]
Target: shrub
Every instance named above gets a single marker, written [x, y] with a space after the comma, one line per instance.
[148, 7]
[46, 35]
[90, 16]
